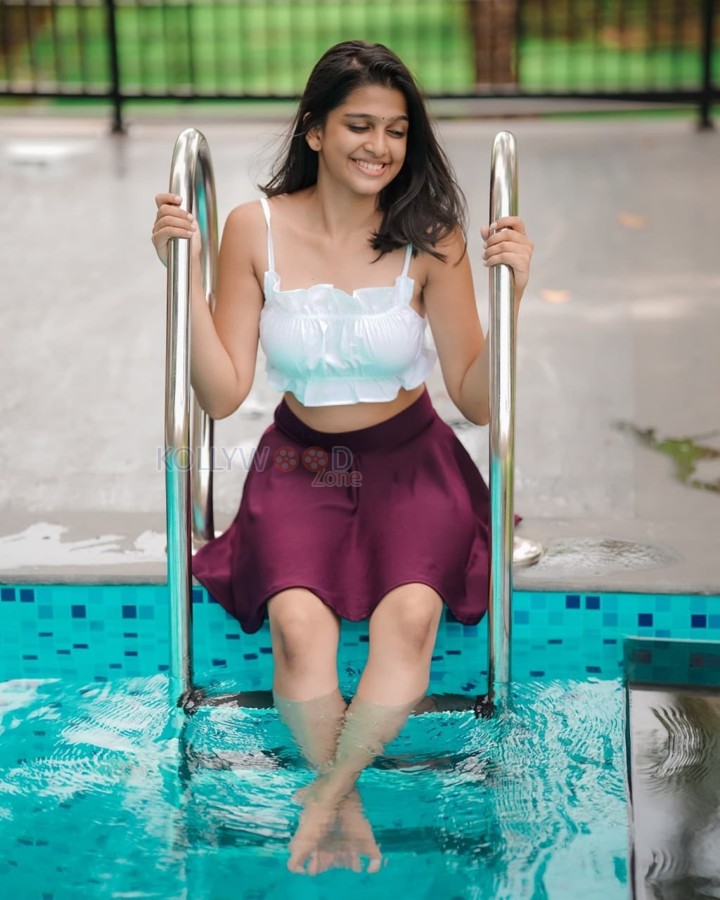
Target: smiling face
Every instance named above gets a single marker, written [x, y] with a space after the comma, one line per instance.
[363, 143]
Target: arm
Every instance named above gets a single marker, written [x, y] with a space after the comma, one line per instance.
[223, 349]
[449, 298]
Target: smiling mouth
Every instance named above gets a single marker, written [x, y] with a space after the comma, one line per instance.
[370, 168]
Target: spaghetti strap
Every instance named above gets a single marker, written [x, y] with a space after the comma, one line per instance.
[271, 255]
[408, 257]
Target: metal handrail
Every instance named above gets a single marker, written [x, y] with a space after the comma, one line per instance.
[188, 469]
[501, 334]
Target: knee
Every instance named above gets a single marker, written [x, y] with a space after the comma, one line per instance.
[415, 612]
[304, 630]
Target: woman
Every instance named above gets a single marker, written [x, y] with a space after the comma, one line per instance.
[364, 504]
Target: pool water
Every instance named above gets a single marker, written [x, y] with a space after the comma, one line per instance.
[103, 792]
[108, 790]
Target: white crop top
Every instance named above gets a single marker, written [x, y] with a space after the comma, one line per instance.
[331, 348]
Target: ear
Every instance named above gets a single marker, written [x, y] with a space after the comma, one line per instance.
[313, 140]
[312, 137]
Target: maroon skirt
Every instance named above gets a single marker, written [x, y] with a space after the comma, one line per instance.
[351, 515]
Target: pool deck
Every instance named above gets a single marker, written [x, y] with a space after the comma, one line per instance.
[618, 335]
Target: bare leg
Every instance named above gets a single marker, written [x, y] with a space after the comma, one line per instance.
[403, 629]
[315, 724]
[305, 636]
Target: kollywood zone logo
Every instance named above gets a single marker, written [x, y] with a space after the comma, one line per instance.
[330, 469]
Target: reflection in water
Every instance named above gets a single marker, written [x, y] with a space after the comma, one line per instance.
[675, 784]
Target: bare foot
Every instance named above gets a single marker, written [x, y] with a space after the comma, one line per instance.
[332, 835]
[310, 842]
[357, 834]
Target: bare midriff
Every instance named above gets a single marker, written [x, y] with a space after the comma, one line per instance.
[353, 416]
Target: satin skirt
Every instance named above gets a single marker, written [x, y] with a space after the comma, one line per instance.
[352, 515]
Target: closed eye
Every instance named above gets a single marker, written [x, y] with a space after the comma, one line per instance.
[358, 128]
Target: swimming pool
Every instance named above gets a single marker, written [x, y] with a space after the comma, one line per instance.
[108, 791]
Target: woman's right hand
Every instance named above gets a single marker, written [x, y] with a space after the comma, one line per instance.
[173, 221]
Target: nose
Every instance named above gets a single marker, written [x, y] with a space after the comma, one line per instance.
[377, 141]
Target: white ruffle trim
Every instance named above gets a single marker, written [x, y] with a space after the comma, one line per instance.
[343, 391]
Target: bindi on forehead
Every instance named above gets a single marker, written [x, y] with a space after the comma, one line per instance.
[400, 118]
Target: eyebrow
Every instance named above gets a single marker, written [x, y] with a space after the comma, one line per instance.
[368, 116]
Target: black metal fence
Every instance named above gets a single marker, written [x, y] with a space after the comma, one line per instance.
[662, 50]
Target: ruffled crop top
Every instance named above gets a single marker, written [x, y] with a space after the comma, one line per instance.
[331, 348]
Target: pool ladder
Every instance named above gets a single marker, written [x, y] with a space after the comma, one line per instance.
[189, 430]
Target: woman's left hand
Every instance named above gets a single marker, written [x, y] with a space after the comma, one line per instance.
[506, 242]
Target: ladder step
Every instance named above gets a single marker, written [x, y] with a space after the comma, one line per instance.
[264, 700]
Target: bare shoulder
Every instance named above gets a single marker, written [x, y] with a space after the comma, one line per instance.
[246, 215]
[453, 248]
[244, 235]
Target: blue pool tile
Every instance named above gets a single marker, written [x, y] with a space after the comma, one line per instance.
[7, 595]
[27, 595]
[115, 631]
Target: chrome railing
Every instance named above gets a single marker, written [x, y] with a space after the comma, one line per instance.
[504, 547]
[188, 469]
[188, 438]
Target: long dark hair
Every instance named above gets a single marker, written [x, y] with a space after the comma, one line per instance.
[423, 203]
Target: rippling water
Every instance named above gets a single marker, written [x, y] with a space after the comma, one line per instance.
[103, 794]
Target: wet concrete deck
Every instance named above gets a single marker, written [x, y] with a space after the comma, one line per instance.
[618, 422]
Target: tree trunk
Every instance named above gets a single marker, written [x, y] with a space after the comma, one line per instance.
[493, 25]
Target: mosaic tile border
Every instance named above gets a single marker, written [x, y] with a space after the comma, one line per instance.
[102, 632]
[661, 662]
